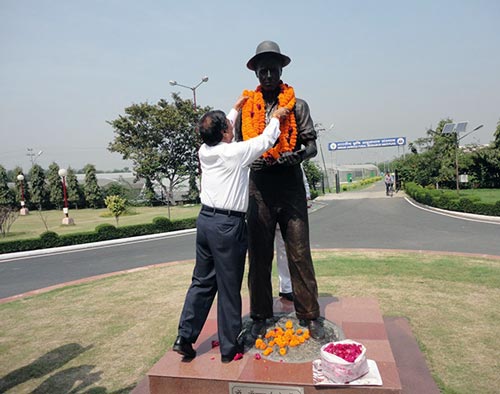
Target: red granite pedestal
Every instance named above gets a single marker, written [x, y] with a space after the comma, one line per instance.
[359, 318]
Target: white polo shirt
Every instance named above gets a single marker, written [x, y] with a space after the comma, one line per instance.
[225, 167]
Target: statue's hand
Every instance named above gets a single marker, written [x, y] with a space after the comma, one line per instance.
[290, 158]
[258, 164]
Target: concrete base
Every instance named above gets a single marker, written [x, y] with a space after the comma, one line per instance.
[24, 211]
[403, 371]
[68, 221]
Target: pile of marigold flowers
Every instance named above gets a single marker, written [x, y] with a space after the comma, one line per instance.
[280, 339]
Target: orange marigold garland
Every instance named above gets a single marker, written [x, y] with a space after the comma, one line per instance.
[281, 338]
[253, 115]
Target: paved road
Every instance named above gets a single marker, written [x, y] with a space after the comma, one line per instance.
[370, 219]
[366, 219]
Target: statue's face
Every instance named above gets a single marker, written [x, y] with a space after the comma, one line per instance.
[268, 70]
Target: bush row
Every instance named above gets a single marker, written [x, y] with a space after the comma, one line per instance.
[102, 232]
[451, 201]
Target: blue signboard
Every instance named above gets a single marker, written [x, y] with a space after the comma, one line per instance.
[360, 144]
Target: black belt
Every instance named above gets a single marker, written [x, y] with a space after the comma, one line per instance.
[227, 212]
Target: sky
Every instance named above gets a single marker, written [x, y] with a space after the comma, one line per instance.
[368, 69]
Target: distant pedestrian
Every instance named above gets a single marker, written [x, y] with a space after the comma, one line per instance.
[389, 183]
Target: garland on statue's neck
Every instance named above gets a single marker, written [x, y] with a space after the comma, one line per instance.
[253, 115]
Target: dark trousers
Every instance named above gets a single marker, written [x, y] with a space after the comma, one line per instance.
[221, 245]
[279, 197]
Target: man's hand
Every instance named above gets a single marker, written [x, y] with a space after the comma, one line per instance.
[241, 101]
[281, 113]
[290, 158]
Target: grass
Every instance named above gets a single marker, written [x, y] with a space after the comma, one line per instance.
[103, 336]
[486, 195]
[32, 225]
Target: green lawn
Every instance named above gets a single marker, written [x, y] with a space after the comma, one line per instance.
[32, 225]
[102, 337]
[486, 195]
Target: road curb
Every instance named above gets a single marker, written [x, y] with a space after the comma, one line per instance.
[41, 252]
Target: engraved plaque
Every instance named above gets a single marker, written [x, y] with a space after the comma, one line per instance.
[252, 388]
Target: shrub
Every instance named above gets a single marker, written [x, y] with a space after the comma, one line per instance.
[102, 232]
[49, 239]
[162, 223]
[106, 231]
[450, 200]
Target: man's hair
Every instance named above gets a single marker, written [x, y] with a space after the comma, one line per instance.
[211, 127]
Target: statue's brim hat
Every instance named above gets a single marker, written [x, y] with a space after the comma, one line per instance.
[266, 47]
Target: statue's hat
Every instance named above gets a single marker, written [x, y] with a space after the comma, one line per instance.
[266, 47]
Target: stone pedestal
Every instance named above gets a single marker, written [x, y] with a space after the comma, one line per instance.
[68, 221]
[24, 211]
[359, 318]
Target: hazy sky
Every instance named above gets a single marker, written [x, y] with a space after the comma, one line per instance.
[371, 68]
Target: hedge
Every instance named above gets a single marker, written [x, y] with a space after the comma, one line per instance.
[451, 201]
[102, 232]
[362, 182]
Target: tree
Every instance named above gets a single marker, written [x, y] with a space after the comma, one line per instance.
[74, 191]
[6, 194]
[484, 168]
[92, 191]
[117, 205]
[8, 216]
[433, 159]
[148, 192]
[54, 184]
[39, 193]
[496, 135]
[160, 140]
[116, 189]
[313, 173]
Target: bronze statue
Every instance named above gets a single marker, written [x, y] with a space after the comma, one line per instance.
[277, 194]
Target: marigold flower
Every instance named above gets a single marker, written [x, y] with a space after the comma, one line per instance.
[268, 351]
[253, 117]
[289, 324]
[283, 351]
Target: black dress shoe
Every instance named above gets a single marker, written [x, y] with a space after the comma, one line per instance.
[228, 358]
[183, 347]
[316, 329]
[258, 328]
[287, 296]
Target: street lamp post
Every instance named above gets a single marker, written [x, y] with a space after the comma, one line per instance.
[175, 83]
[33, 156]
[449, 128]
[24, 211]
[320, 127]
[66, 220]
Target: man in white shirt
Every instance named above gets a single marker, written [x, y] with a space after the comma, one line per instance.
[285, 282]
[221, 238]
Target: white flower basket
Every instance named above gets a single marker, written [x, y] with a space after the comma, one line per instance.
[339, 370]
